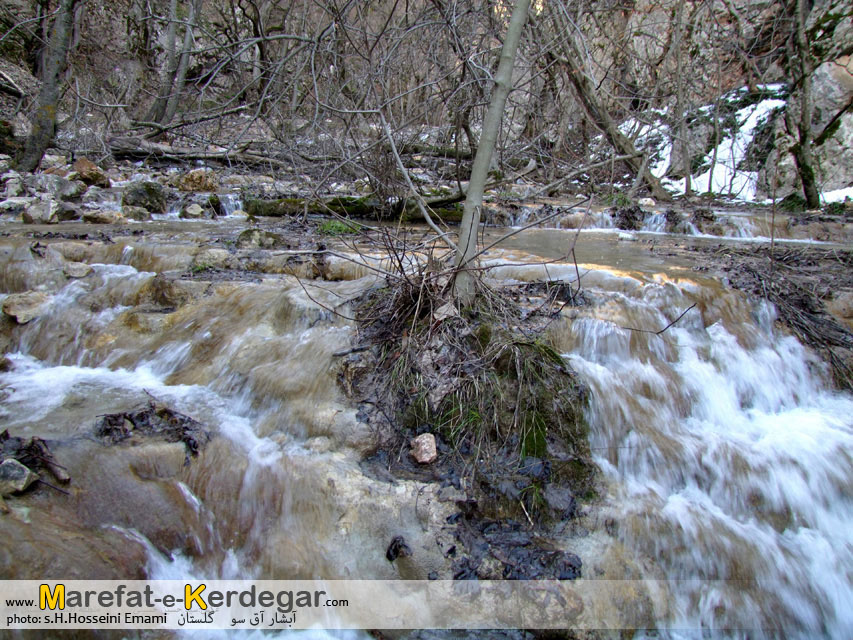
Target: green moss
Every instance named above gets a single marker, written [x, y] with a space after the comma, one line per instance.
[276, 208]
[826, 134]
[344, 206]
[836, 209]
[794, 203]
[336, 227]
[215, 204]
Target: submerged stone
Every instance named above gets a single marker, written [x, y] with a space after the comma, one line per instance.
[15, 477]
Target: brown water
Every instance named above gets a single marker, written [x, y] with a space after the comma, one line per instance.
[726, 455]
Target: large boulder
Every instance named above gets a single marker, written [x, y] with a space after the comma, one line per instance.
[41, 212]
[135, 213]
[54, 185]
[199, 180]
[9, 144]
[259, 239]
[15, 205]
[192, 211]
[26, 306]
[832, 128]
[148, 195]
[101, 216]
[90, 173]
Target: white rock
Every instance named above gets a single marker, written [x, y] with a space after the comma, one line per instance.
[423, 448]
[192, 212]
[646, 202]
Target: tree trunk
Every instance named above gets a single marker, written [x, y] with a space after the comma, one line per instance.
[167, 75]
[44, 121]
[467, 244]
[803, 154]
[586, 92]
[686, 160]
[183, 65]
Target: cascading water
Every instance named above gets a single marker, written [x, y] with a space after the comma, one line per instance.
[729, 455]
[726, 453]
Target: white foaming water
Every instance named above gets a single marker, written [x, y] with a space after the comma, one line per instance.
[730, 457]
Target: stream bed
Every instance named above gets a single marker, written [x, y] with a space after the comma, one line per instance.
[725, 452]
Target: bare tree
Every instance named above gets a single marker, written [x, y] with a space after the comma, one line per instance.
[44, 120]
[802, 67]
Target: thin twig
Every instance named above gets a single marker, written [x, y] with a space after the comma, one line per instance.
[657, 333]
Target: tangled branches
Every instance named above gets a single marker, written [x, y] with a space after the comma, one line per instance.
[483, 378]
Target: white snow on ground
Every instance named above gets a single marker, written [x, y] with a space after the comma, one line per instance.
[727, 179]
[839, 195]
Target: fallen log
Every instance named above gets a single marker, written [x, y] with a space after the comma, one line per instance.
[365, 208]
[138, 148]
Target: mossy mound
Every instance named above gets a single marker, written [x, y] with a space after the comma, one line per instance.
[343, 206]
[505, 406]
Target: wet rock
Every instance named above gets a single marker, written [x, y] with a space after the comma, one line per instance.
[199, 180]
[90, 173]
[132, 212]
[41, 212]
[77, 269]
[146, 322]
[5, 162]
[94, 195]
[14, 187]
[52, 161]
[170, 292]
[68, 211]
[214, 203]
[192, 212]
[706, 222]
[258, 239]
[841, 306]
[213, 258]
[73, 251]
[8, 142]
[423, 448]
[15, 205]
[630, 218]
[572, 220]
[239, 213]
[675, 222]
[560, 500]
[54, 185]
[101, 216]
[397, 549]
[26, 306]
[148, 195]
[15, 477]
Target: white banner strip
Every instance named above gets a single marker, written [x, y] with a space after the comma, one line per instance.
[341, 604]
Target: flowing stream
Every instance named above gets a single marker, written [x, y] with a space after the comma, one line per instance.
[726, 453]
